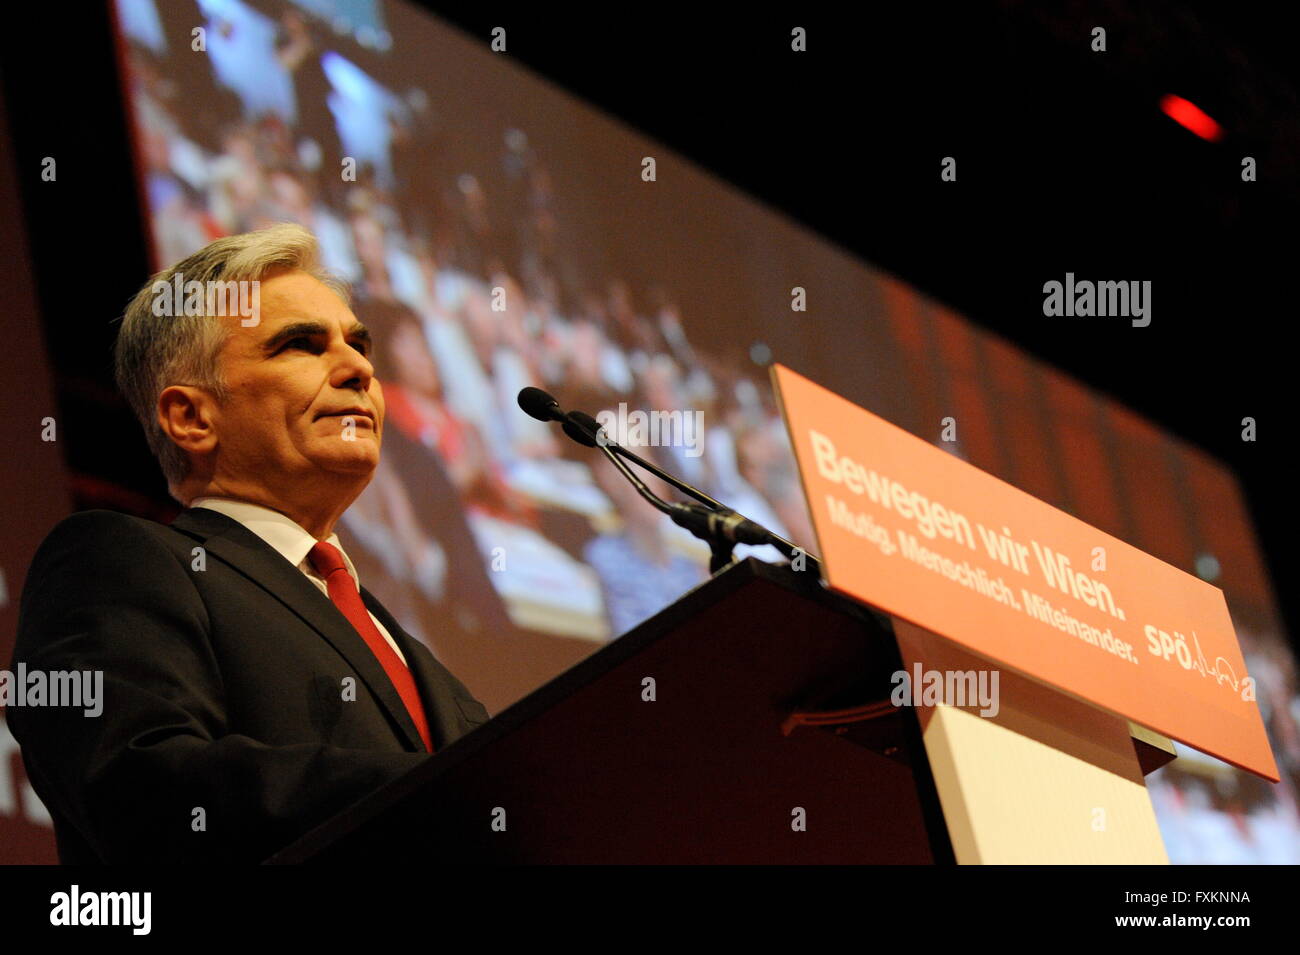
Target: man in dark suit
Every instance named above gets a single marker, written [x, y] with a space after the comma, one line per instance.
[251, 689]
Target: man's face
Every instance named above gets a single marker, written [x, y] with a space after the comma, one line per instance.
[304, 409]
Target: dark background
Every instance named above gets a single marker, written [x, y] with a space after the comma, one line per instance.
[1064, 164]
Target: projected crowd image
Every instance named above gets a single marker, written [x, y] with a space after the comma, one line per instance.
[470, 221]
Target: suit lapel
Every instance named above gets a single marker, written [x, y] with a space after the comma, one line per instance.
[234, 544]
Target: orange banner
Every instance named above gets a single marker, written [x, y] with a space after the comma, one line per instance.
[922, 535]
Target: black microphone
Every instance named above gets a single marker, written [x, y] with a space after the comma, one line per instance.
[583, 428]
[580, 430]
[714, 521]
[590, 427]
[710, 521]
[540, 405]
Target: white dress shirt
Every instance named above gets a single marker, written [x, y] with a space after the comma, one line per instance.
[291, 541]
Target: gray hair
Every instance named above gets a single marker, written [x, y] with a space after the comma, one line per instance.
[155, 351]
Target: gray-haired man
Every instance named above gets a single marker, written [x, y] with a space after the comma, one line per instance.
[251, 688]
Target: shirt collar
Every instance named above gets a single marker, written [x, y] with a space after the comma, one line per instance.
[284, 534]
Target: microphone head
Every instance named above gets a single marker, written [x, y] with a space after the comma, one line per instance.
[591, 426]
[577, 432]
[539, 404]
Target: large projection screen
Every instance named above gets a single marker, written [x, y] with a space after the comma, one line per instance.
[499, 233]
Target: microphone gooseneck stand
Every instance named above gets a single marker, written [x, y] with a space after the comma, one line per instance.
[717, 525]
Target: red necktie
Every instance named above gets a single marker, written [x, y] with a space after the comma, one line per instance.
[327, 560]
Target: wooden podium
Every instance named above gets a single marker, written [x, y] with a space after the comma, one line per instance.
[751, 722]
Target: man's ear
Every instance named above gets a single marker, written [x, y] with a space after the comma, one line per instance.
[185, 415]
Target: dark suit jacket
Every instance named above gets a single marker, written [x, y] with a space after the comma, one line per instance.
[224, 691]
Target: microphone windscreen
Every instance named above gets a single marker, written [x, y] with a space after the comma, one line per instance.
[577, 432]
[538, 404]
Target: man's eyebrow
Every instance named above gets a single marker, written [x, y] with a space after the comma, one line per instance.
[308, 329]
[359, 332]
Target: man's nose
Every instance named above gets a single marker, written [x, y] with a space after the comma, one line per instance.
[353, 369]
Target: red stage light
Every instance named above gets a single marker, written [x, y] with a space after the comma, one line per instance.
[1190, 116]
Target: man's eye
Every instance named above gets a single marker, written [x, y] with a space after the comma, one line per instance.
[308, 343]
